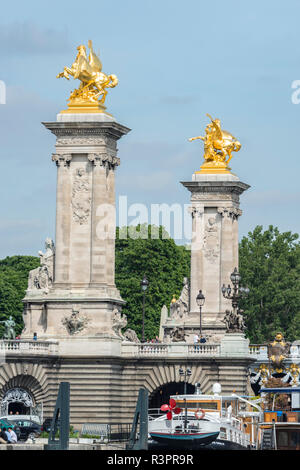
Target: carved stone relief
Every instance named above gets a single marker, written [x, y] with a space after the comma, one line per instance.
[75, 323]
[81, 199]
[211, 240]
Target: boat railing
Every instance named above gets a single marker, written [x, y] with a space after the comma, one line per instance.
[154, 413]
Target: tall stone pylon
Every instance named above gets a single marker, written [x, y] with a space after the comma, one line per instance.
[73, 293]
[214, 249]
[215, 210]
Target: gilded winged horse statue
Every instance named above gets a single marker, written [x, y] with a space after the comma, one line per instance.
[93, 81]
[218, 145]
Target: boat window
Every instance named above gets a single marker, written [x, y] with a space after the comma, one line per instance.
[210, 405]
[295, 439]
[283, 439]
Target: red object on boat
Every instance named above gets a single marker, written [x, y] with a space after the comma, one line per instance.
[171, 407]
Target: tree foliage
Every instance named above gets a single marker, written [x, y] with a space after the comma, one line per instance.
[270, 266]
[163, 262]
[13, 283]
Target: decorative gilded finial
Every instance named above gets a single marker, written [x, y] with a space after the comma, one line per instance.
[218, 145]
[173, 301]
[90, 96]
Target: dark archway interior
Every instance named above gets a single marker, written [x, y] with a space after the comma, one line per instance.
[18, 408]
[161, 395]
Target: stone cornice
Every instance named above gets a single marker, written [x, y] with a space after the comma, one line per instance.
[110, 129]
[225, 187]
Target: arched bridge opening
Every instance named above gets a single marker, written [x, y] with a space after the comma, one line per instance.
[162, 394]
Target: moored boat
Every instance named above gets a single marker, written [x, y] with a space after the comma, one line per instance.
[206, 421]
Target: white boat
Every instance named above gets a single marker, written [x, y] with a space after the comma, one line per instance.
[217, 421]
[183, 430]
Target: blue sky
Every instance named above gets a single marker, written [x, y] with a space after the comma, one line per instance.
[176, 61]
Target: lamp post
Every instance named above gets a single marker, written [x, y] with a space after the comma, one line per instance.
[144, 287]
[187, 372]
[237, 292]
[200, 299]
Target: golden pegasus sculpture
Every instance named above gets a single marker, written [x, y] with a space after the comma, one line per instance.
[218, 145]
[93, 81]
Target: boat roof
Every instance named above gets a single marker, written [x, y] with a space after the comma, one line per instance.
[201, 397]
[280, 390]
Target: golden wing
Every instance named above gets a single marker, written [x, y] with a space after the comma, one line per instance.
[94, 60]
[217, 127]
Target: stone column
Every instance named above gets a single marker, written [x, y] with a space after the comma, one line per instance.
[214, 248]
[197, 213]
[63, 207]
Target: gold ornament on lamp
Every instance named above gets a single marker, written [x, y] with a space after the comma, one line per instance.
[90, 96]
[218, 146]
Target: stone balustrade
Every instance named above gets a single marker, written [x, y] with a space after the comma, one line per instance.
[29, 347]
[19, 347]
[169, 350]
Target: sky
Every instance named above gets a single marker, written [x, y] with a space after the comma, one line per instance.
[175, 61]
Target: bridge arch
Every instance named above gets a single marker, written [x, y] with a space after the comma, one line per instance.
[161, 395]
[22, 387]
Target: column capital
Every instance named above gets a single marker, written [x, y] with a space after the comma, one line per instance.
[104, 160]
[62, 159]
[196, 211]
[230, 212]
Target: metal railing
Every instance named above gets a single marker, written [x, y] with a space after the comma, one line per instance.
[107, 432]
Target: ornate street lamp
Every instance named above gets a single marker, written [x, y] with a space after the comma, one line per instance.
[200, 299]
[237, 292]
[144, 287]
[186, 373]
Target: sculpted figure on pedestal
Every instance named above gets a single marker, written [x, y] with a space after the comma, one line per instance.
[278, 351]
[42, 277]
[93, 82]
[234, 321]
[180, 308]
[177, 335]
[218, 145]
[9, 328]
[119, 322]
[130, 335]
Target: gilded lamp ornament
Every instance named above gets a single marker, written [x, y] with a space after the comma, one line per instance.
[218, 147]
[91, 93]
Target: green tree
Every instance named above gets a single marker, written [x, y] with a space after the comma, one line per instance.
[13, 283]
[270, 267]
[163, 262]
